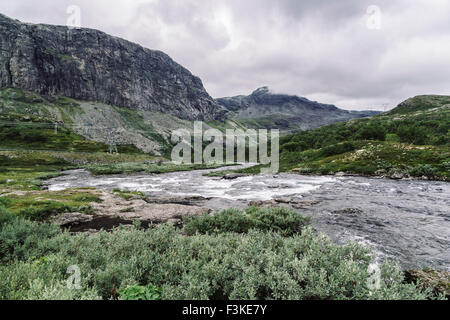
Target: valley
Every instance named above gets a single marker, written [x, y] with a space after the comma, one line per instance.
[358, 210]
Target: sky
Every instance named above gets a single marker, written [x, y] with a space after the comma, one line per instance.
[356, 54]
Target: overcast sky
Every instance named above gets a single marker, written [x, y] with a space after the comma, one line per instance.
[340, 52]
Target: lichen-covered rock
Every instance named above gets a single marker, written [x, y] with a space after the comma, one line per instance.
[72, 219]
[90, 65]
[436, 280]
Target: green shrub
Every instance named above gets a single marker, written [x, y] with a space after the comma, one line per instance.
[254, 265]
[20, 238]
[137, 292]
[5, 216]
[424, 170]
[286, 222]
[372, 131]
[338, 149]
[414, 134]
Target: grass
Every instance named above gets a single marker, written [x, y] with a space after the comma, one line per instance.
[40, 206]
[372, 158]
[42, 136]
[128, 195]
[421, 103]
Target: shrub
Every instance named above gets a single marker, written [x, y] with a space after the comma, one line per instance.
[413, 134]
[21, 238]
[5, 216]
[424, 170]
[254, 265]
[137, 292]
[338, 149]
[286, 222]
[372, 131]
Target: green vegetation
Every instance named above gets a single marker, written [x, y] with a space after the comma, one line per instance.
[137, 292]
[128, 195]
[146, 167]
[258, 253]
[134, 263]
[39, 206]
[22, 135]
[25, 170]
[412, 140]
[286, 222]
[421, 103]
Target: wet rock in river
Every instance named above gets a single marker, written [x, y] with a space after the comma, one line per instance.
[295, 203]
[233, 176]
[348, 211]
[396, 175]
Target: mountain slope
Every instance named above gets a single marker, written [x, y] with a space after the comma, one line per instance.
[263, 109]
[421, 103]
[148, 131]
[399, 144]
[90, 65]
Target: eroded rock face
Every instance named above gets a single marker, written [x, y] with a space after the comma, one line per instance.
[90, 65]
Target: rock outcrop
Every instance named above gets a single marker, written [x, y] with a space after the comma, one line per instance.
[87, 64]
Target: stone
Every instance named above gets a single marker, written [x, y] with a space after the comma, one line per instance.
[72, 219]
[436, 280]
[233, 176]
[397, 175]
[349, 211]
[90, 65]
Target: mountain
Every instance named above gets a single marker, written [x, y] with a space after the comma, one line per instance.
[263, 109]
[87, 64]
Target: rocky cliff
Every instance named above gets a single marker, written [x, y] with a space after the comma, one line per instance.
[287, 112]
[90, 65]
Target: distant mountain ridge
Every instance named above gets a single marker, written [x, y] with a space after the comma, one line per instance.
[287, 111]
[87, 64]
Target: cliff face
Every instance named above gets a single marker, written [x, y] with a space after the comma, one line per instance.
[90, 65]
[287, 112]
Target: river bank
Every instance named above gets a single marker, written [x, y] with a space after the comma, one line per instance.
[407, 220]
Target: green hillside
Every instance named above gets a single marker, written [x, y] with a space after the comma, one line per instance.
[411, 140]
[28, 120]
[421, 103]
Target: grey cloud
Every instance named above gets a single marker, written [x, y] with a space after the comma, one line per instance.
[315, 48]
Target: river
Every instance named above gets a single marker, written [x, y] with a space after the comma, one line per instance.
[404, 220]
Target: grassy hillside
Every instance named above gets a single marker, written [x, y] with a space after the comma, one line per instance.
[421, 103]
[411, 140]
[27, 121]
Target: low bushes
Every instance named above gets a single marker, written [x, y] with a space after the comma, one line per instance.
[286, 222]
[134, 263]
[338, 149]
